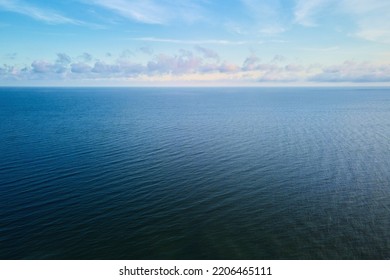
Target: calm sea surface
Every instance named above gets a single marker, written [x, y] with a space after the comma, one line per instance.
[194, 173]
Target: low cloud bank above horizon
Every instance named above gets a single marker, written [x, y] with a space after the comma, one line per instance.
[204, 65]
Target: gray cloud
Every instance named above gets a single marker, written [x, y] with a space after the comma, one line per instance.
[126, 54]
[351, 71]
[294, 68]
[43, 67]
[4, 70]
[129, 68]
[251, 63]
[104, 68]
[146, 50]
[207, 53]
[11, 56]
[87, 57]
[228, 68]
[63, 59]
[80, 67]
[278, 58]
[209, 68]
[58, 67]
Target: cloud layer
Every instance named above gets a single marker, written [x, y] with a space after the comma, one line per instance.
[200, 65]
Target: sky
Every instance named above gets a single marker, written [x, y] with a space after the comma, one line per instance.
[194, 42]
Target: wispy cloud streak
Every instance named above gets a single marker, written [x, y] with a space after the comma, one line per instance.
[40, 14]
[306, 11]
[190, 42]
[43, 14]
[152, 11]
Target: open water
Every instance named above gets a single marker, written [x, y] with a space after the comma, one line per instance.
[194, 173]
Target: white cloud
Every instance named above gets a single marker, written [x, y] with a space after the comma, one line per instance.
[190, 42]
[362, 7]
[321, 49]
[207, 53]
[45, 15]
[141, 11]
[180, 64]
[58, 67]
[306, 11]
[371, 18]
[152, 11]
[267, 17]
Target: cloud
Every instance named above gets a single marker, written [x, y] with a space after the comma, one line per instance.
[8, 70]
[371, 18]
[130, 68]
[278, 58]
[207, 53]
[351, 71]
[80, 67]
[267, 16]
[146, 50]
[362, 7]
[40, 14]
[104, 68]
[190, 42]
[236, 28]
[152, 11]
[87, 57]
[188, 65]
[321, 49]
[183, 63]
[251, 63]
[209, 68]
[141, 11]
[126, 54]
[60, 65]
[63, 59]
[368, 18]
[11, 56]
[305, 11]
[227, 67]
[41, 66]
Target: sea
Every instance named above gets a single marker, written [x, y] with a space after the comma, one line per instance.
[195, 173]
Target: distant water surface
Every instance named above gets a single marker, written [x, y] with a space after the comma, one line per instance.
[194, 173]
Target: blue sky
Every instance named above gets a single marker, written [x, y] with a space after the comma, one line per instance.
[194, 42]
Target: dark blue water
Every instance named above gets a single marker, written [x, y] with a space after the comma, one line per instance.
[194, 173]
